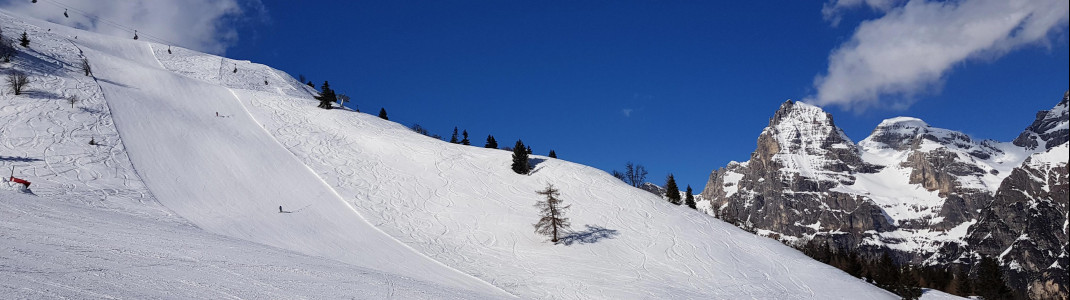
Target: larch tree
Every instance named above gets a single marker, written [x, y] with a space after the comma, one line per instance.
[552, 222]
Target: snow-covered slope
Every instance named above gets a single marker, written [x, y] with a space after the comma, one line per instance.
[429, 217]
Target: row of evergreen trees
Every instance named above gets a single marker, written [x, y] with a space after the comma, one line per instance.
[907, 281]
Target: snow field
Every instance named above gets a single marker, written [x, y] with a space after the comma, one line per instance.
[463, 206]
[375, 210]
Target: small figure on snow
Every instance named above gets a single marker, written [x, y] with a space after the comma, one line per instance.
[217, 114]
[92, 141]
[280, 209]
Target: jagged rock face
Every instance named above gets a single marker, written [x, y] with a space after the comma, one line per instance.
[933, 195]
[1049, 129]
[786, 187]
[1025, 226]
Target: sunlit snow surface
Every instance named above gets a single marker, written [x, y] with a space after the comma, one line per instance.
[185, 204]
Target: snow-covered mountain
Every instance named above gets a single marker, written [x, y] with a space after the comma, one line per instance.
[209, 178]
[929, 193]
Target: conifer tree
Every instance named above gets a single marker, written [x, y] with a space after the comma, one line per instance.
[491, 143]
[689, 199]
[552, 154]
[453, 138]
[552, 222]
[24, 40]
[326, 96]
[529, 150]
[382, 114]
[520, 158]
[310, 84]
[465, 141]
[672, 192]
[907, 287]
[990, 283]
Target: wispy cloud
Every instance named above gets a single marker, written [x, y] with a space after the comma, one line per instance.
[627, 112]
[205, 25]
[912, 47]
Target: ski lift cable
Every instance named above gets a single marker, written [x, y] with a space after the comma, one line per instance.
[109, 22]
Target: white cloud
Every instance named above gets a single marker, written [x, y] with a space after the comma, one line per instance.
[910, 49]
[205, 25]
[627, 112]
[834, 9]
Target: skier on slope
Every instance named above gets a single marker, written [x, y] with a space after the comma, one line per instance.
[280, 209]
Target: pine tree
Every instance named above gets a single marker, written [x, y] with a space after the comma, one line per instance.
[326, 96]
[529, 150]
[24, 40]
[382, 114]
[689, 199]
[491, 143]
[552, 221]
[672, 192]
[310, 84]
[465, 140]
[453, 138]
[990, 283]
[520, 158]
[907, 287]
[552, 154]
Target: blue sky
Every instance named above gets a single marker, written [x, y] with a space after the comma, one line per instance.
[680, 87]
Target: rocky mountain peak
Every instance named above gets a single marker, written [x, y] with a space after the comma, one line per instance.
[1051, 128]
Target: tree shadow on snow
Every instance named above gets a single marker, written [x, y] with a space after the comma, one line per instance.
[112, 82]
[533, 163]
[592, 235]
[18, 159]
[89, 110]
[40, 94]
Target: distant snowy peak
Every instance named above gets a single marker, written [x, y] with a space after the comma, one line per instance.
[798, 126]
[1050, 129]
[907, 133]
[803, 140]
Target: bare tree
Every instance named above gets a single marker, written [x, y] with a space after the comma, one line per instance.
[635, 173]
[85, 67]
[17, 81]
[553, 220]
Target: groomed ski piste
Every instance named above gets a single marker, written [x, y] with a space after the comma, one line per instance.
[177, 202]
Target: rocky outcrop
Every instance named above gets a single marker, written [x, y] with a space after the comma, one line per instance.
[1049, 129]
[786, 188]
[930, 195]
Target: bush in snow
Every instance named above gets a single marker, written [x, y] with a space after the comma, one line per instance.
[17, 81]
